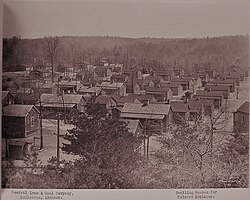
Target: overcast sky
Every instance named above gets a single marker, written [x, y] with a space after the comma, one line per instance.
[127, 18]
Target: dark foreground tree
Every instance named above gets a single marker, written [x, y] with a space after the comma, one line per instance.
[107, 150]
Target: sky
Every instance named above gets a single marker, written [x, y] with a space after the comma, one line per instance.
[126, 18]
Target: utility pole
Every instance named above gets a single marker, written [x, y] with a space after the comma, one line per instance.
[6, 143]
[40, 117]
[226, 109]
[148, 146]
[58, 144]
[144, 139]
[41, 124]
[237, 92]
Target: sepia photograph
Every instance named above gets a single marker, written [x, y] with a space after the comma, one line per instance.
[125, 95]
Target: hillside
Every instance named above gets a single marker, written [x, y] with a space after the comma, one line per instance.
[216, 52]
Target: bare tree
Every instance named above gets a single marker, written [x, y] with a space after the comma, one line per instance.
[52, 47]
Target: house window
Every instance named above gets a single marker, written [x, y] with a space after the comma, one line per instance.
[32, 121]
[243, 118]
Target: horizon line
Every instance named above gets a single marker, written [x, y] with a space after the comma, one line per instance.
[127, 37]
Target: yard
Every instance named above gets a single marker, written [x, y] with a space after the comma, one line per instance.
[50, 140]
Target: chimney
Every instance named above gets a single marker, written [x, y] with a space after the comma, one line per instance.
[148, 102]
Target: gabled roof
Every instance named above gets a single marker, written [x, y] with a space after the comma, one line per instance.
[195, 104]
[179, 106]
[182, 79]
[150, 109]
[119, 77]
[103, 99]
[9, 84]
[163, 90]
[27, 97]
[231, 76]
[5, 93]
[209, 94]
[224, 81]
[47, 84]
[125, 99]
[143, 97]
[171, 85]
[61, 99]
[88, 89]
[244, 108]
[67, 84]
[156, 80]
[110, 85]
[27, 84]
[16, 110]
[218, 87]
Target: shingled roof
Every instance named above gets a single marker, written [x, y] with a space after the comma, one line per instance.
[150, 111]
[110, 85]
[209, 94]
[224, 81]
[218, 87]
[244, 108]
[55, 98]
[179, 106]
[16, 110]
[5, 93]
[103, 99]
[157, 89]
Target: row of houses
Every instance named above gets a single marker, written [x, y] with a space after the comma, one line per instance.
[161, 97]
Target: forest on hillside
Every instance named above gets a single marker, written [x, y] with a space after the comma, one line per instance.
[156, 53]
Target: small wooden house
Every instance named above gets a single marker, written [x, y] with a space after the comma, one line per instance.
[107, 102]
[181, 111]
[222, 88]
[145, 98]
[10, 86]
[162, 94]
[53, 103]
[111, 88]
[227, 82]
[7, 98]
[216, 96]
[174, 86]
[159, 114]
[20, 121]
[241, 119]
[187, 83]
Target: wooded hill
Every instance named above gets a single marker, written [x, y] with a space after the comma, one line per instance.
[156, 53]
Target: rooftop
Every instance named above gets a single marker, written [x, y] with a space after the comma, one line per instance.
[244, 108]
[110, 85]
[103, 99]
[178, 106]
[17, 110]
[139, 108]
[55, 98]
[218, 87]
[157, 89]
[209, 94]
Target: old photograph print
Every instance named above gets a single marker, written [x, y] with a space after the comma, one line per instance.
[125, 95]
